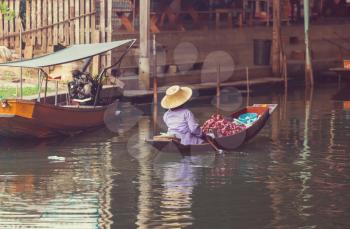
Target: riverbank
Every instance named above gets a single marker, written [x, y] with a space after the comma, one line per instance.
[192, 57]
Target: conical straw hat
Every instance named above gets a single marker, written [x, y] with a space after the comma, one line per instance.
[176, 96]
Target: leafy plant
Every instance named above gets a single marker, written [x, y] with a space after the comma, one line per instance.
[5, 10]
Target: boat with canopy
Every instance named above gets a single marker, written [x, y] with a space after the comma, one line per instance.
[82, 109]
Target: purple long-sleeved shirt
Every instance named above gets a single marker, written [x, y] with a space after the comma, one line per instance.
[182, 123]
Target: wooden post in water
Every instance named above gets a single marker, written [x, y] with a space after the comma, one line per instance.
[309, 78]
[155, 78]
[144, 62]
[155, 86]
[248, 85]
[218, 86]
[276, 38]
[218, 83]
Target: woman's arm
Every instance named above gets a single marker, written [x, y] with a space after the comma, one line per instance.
[193, 124]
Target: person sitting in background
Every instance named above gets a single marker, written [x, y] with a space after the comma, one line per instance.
[172, 14]
[335, 8]
[179, 120]
[295, 10]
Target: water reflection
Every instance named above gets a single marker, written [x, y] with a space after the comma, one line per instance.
[178, 177]
[67, 194]
[295, 173]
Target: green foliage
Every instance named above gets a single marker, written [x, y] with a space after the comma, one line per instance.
[10, 92]
[5, 10]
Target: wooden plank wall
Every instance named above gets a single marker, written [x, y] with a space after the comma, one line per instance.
[52, 22]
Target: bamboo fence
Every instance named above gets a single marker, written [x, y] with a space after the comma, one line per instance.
[49, 23]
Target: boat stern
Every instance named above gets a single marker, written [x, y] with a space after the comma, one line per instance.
[11, 108]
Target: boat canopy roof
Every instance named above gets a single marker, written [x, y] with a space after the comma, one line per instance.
[70, 54]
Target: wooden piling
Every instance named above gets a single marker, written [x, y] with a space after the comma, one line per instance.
[248, 85]
[218, 86]
[309, 78]
[109, 31]
[218, 80]
[144, 62]
[155, 78]
[103, 28]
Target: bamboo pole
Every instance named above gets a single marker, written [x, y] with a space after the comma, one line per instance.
[93, 21]
[34, 18]
[103, 28]
[17, 24]
[61, 32]
[66, 25]
[103, 20]
[1, 29]
[71, 23]
[55, 21]
[77, 25]
[109, 31]
[12, 25]
[46, 27]
[6, 32]
[39, 15]
[87, 22]
[82, 22]
[95, 38]
[49, 21]
[44, 23]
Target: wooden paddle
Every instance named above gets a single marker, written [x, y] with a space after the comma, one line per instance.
[213, 145]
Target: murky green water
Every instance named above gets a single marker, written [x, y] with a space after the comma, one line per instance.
[295, 173]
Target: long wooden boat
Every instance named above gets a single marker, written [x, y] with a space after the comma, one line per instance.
[31, 119]
[226, 143]
[41, 119]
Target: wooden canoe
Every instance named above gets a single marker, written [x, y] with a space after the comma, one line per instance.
[30, 119]
[225, 143]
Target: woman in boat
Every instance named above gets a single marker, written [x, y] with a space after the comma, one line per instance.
[179, 120]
